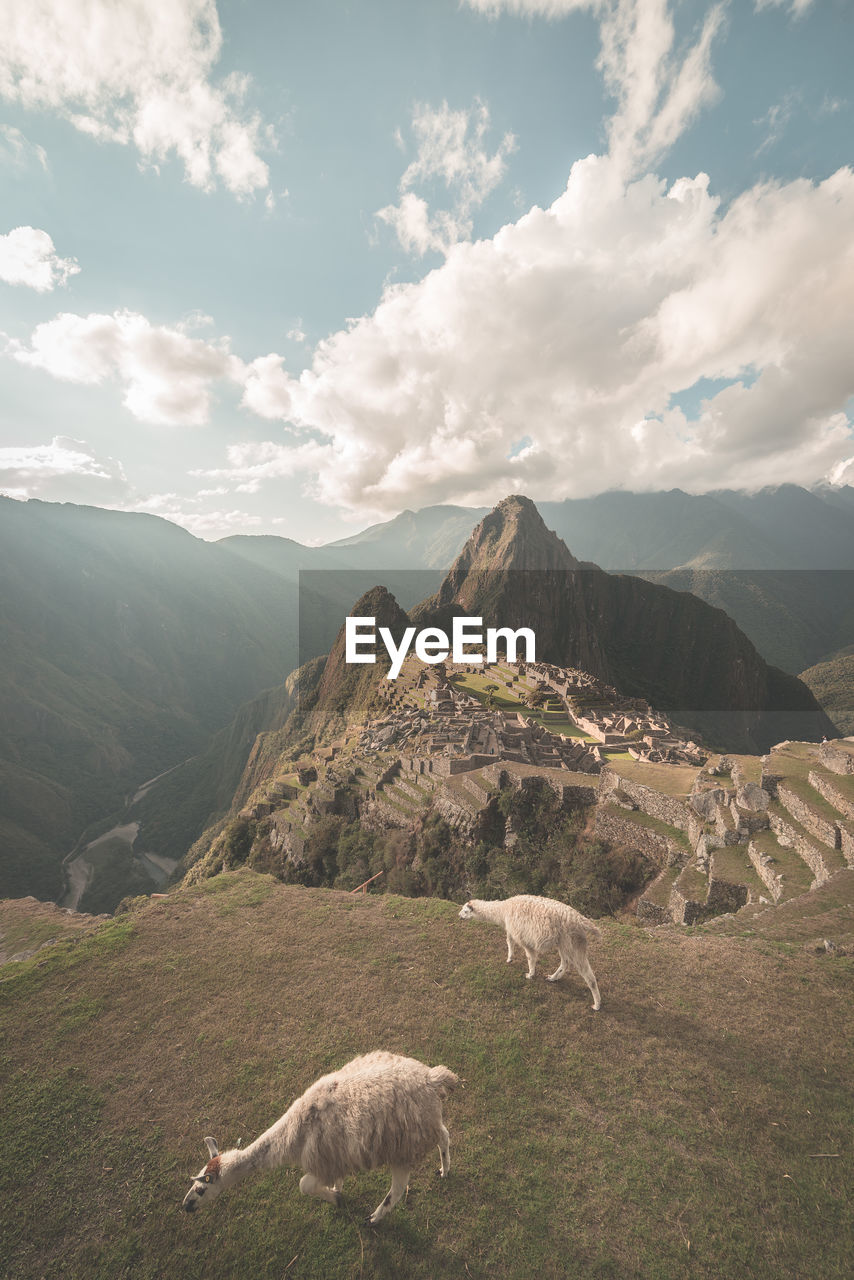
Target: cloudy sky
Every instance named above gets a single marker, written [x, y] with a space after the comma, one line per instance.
[291, 268]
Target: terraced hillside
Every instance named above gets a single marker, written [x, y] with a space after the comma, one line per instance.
[742, 832]
[721, 833]
[697, 1126]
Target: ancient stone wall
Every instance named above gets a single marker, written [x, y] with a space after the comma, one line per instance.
[455, 813]
[664, 808]
[569, 794]
[790, 838]
[723, 895]
[286, 840]
[835, 759]
[764, 867]
[653, 913]
[684, 910]
[770, 781]
[832, 794]
[659, 848]
[822, 828]
[847, 843]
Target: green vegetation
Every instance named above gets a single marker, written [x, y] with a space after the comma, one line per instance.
[502, 699]
[553, 854]
[684, 1130]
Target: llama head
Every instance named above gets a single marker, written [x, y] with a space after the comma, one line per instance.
[207, 1184]
[467, 912]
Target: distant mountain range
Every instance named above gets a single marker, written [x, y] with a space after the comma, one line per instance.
[781, 528]
[780, 562]
[756, 556]
[128, 643]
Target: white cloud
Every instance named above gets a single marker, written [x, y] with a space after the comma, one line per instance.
[574, 328]
[140, 72]
[28, 257]
[452, 152]
[65, 470]
[796, 7]
[17, 152]
[167, 375]
[532, 8]
[549, 358]
[776, 119]
[252, 465]
[184, 510]
[658, 93]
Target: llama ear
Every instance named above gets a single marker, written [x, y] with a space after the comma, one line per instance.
[213, 1149]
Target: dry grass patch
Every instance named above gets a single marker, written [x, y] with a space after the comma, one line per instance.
[670, 1134]
[670, 779]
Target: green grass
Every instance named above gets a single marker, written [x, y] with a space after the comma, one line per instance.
[731, 863]
[692, 883]
[503, 700]
[670, 779]
[797, 876]
[659, 890]
[25, 925]
[668, 1135]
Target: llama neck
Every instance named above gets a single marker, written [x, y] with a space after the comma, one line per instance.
[489, 910]
[269, 1150]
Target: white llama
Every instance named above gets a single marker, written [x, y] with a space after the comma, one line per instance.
[542, 924]
[379, 1109]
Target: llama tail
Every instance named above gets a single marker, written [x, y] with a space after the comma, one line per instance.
[443, 1080]
[594, 933]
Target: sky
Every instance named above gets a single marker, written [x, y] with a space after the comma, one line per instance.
[293, 268]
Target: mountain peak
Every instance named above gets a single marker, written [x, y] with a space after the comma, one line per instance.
[344, 690]
[514, 536]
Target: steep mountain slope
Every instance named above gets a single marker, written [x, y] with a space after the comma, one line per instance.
[325, 582]
[832, 683]
[793, 616]
[665, 646]
[126, 642]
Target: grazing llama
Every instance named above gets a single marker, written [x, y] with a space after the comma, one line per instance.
[379, 1109]
[542, 924]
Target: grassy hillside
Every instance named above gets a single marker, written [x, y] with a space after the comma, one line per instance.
[699, 1125]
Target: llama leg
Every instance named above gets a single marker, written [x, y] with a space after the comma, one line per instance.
[582, 965]
[399, 1182]
[561, 969]
[510, 948]
[444, 1151]
[311, 1186]
[532, 962]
